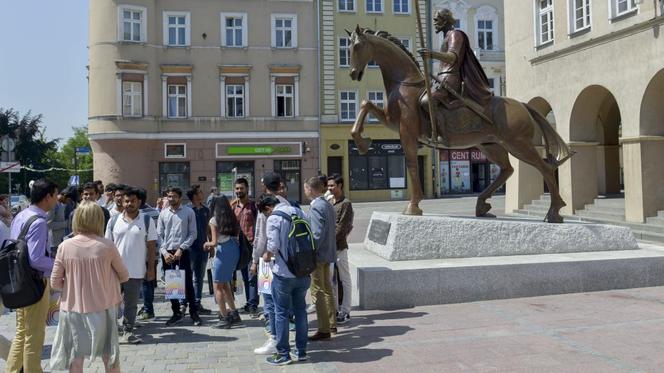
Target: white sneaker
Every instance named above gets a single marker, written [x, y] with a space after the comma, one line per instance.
[268, 348]
[311, 308]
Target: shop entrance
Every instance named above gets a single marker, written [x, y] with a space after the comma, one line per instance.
[174, 174]
[480, 175]
[291, 172]
[229, 171]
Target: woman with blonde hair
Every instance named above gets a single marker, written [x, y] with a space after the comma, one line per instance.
[88, 268]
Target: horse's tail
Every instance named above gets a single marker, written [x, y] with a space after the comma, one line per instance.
[557, 151]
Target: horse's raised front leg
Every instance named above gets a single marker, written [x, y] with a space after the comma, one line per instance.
[358, 127]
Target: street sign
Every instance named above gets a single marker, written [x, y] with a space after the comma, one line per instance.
[73, 180]
[82, 150]
[13, 167]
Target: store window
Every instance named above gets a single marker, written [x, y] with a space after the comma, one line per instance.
[174, 174]
[383, 167]
[229, 171]
[292, 174]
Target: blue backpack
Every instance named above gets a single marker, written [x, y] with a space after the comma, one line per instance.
[301, 249]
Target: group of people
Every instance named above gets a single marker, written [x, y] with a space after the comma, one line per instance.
[102, 251]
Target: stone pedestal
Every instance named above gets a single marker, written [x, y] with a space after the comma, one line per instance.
[398, 237]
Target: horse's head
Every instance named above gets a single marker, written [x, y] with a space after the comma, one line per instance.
[360, 53]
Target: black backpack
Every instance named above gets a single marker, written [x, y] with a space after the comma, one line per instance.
[301, 249]
[20, 284]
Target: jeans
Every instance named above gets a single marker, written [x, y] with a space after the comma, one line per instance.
[287, 291]
[147, 292]
[269, 310]
[130, 295]
[199, 260]
[250, 286]
[28, 343]
[184, 264]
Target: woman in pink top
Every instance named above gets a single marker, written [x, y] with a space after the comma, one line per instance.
[89, 270]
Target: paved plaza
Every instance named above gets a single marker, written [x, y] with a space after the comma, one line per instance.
[614, 331]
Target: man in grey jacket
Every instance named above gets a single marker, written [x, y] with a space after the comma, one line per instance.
[57, 224]
[322, 222]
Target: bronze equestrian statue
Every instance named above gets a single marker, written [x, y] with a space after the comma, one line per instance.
[466, 111]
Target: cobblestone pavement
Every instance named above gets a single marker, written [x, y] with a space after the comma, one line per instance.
[613, 331]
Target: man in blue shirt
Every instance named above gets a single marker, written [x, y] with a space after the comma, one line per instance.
[198, 255]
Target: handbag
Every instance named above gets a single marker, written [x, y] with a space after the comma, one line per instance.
[245, 252]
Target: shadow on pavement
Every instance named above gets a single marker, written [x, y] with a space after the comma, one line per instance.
[352, 344]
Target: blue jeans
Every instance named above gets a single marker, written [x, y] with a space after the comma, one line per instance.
[269, 310]
[287, 291]
[199, 260]
[148, 295]
[250, 286]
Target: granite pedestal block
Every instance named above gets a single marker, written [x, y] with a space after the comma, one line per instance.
[399, 237]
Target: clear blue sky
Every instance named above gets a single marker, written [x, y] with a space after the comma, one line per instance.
[43, 58]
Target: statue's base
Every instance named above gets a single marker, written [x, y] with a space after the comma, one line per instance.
[411, 261]
[401, 237]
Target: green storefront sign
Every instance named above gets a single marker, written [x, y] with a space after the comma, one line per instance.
[258, 150]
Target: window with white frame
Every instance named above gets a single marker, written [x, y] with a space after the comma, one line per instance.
[492, 84]
[235, 100]
[485, 34]
[177, 101]
[400, 6]
[378, 98]
[622, 7]
[344, 52]
[346, 5]
[132, 99]
[544, 21]
[132, 23]
[374, 6]
[177, 150]
[579, 15]
[284, 31]
[176, 29]
[405, 42]
[285, 100]
[234, 30]
[347, 105]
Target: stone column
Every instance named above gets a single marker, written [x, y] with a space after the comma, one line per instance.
[524, 186]
[644, 176]
[578, 177]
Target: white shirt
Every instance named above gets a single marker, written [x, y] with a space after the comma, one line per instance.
[130, 239]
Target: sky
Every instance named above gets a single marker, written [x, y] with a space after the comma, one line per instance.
[43, 59]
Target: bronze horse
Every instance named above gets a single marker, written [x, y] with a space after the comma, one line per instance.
[512, 131]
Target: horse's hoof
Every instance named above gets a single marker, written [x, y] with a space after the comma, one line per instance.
[554, 217]
[363, 145]
[412, 210]
[482, 210]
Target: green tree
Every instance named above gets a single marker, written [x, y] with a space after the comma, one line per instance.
[32, 148]
[65, 155]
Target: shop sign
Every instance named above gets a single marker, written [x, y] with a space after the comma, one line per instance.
[476, 155]
[391, 147]
[459, 155]
[259, 150]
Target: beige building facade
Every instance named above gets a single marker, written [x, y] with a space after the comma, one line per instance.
[201, 92]
[596, 69]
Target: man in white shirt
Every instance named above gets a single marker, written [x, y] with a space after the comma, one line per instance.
[135, 235]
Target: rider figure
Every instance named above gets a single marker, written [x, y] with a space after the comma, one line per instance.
[458, 65]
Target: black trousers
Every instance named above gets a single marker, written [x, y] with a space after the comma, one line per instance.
[184, 264]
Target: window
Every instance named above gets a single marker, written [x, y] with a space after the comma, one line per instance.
[374, 6]
[405, 42]
[400, 6]
[175, 150]
[285, 100]
[348, 105]
[176, 29]
[485, 34]
[132, 99]
[544, 22]
[622, 7]
[132, 25]
[177, 101]
[344, 52]
[284, 31]
[378, 98]
[234, 30]
[235, 100]
[174, 174]
[492, 84]
[579, 15]
[346, 5]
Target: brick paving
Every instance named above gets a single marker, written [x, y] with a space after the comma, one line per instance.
[613, 331]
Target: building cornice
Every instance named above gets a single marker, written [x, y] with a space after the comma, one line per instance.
[131, 65]
[602, 39]
[234, 69]
[640, 139]
[201, 135]
[176, 69]
[285, 69]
